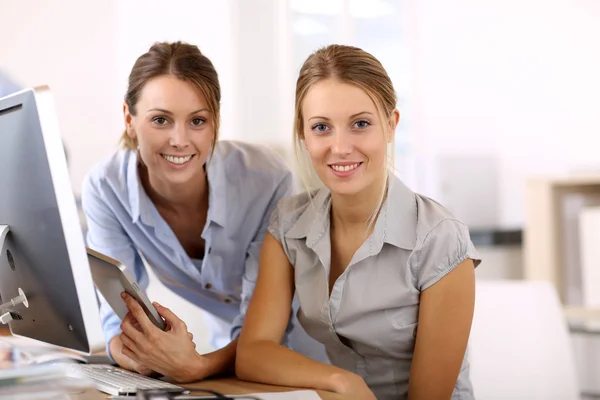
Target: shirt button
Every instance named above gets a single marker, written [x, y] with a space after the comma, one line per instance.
[208, 286]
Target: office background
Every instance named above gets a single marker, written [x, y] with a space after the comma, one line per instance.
[492, 93]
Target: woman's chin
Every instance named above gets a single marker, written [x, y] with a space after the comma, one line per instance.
[179, 177]
[345, 188]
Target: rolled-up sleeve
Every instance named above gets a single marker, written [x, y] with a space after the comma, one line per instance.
[284, 189]
[106, 235]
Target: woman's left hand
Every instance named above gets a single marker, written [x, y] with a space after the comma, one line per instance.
[171, 352]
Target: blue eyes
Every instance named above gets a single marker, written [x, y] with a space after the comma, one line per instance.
[322, 128]
[362, 124]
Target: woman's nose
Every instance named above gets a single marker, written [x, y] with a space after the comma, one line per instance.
[342, 143]
[179, 137]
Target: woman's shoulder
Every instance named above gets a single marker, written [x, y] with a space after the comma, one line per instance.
[443, 242]
[244, 160]
[294, 214]
[438, 228]
[415, 215]
[111, 171]
[296, 204]
[432, 214]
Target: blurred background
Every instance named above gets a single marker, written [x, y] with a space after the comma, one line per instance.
[499, 101]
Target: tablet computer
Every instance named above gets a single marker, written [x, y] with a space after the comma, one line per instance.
[111, 278]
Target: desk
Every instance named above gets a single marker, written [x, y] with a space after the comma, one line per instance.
[222, 385]
[230, 385]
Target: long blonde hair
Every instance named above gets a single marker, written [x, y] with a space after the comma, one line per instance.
[184, 61]
[357, 67]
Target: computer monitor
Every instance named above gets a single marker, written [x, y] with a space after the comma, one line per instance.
[43, 253]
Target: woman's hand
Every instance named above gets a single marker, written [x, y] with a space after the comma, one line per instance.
[171, 352]
[116, 352]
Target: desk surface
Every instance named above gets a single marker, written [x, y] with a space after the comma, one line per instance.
[230, 385]
[225, 386]
[235, 386]
[222, 385]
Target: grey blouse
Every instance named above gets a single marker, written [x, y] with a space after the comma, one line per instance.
[369, 323]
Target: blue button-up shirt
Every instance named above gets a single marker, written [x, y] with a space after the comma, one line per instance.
[245, 183]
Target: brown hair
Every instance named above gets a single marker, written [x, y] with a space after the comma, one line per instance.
[184, 61]
[353, 66]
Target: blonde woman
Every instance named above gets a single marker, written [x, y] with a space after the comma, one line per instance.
[192, 208]
[384, 276]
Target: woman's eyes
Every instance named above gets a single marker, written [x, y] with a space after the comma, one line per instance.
[362, 124]
[197, 121]
[321, 128]
[159, 120]
[163, 121]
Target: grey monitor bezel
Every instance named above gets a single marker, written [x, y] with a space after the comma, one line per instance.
[54, 272]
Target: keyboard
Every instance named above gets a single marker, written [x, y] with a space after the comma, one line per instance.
[116, 381]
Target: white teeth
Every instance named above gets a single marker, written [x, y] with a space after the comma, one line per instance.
[344, 168]
[176, 160]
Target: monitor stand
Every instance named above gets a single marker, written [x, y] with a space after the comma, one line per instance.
[6, 317]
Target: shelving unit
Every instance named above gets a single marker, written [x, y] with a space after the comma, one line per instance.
[544, 231]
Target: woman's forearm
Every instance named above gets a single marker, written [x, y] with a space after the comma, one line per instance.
[268, 362]
[420, 388]
[219, 362]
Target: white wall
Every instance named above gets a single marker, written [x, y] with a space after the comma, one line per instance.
[513, 79]
[71, 48]
[205, 23]
[258, 93]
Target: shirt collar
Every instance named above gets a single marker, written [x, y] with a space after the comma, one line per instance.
[137, 196]
[396, 225]
[314, 221]
[217, 186]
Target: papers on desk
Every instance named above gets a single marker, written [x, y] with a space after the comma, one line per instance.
[26, 351]
[22, 376]
[293, 395]
[38, 382]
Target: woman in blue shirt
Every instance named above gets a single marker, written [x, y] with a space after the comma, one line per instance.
[193, 209]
